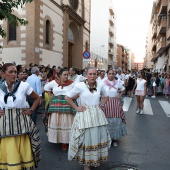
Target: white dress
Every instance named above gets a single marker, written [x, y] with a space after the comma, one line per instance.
[90, 139]
[61, 114]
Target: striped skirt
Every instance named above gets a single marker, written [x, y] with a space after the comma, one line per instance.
[116, 118]
[113, 109]
[89, 145]
[19, 141]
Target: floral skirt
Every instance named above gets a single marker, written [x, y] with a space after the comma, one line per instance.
[16, 153]
[89, 146]
[117, 128]
[59, 127]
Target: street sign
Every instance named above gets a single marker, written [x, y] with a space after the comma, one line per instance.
[86, 60]
[86, 55]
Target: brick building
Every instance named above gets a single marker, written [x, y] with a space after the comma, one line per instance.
[122, 57]
[138, 66]
[57, 34]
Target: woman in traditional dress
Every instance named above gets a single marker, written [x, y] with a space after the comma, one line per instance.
[167, 86]
[90, 139]
[19, 138]
[60, 113]
[113, 108]
[140, 92]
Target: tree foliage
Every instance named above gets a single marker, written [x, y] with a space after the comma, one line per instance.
[6, 13]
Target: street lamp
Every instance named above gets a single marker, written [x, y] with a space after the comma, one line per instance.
[100, 49]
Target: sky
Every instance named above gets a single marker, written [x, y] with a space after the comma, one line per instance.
[132, 23]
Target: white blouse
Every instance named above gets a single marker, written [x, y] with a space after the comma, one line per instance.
[113, 91]
[140, 84]
[53, 86]
[86, 97]
[23, 90]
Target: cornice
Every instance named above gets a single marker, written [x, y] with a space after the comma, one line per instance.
[55, 3]
[73, 14]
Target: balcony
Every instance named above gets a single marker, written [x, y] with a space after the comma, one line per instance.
[154, 43]
[111, 52]
[111, 20]
[111, 41]
[163, 7]
[161, 45]
[168, 7]
[154, 57]
[162, 26]
[111, 10]
[111, 31]
[168, 34]
[154, 32]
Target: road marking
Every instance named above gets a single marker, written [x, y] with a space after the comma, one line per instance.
[126, 103]
[147, 107]
[166, 107]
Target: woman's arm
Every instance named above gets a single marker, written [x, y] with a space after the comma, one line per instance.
[135, 85]
[73, 105]
[36, 98]
[145, 89]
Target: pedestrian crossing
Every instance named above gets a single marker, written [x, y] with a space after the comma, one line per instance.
[148, 108]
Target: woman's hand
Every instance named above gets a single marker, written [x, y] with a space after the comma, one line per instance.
[26, 112]
[81, 108]
[1, 113]
[118, 97]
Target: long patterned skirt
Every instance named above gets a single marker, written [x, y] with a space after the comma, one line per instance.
[89, 145]
[59, 127]
[19, 142]
[60, 120]
[116, 118]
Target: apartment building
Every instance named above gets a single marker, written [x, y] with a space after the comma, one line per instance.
[57, 34]
[122, 57]
[138, 66]
[159, 41]
[103, 44]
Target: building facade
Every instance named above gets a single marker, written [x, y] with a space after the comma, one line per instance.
[103, 44]
[57, 34]
[160, 36]
[123, 57]
[138, 66]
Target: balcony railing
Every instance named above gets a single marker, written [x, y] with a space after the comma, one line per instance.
[111, 41]
[163, 7]
[111, 51]
[111, 10]
[111, 31]
[161, 45]
[163, 25]
[111, 19]
[168, 6]
[154, 32]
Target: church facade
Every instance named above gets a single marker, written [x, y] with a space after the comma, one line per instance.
[58, 32]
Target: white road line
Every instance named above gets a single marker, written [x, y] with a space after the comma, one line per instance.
[126, 104]
[147, 107]
[166, 107]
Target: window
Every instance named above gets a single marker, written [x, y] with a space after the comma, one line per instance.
[47, 32]
[12, 32]
[70, 35]
[74, 4]
[87, 46]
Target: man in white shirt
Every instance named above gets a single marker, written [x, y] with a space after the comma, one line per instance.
[101, 77]
[35, 82]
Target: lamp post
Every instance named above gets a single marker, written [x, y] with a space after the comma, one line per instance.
[100, 49]
[100, 54]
